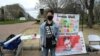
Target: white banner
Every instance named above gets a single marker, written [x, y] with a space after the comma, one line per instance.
[70, 41]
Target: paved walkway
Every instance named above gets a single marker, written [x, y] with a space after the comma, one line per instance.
[35, 28]
[31, 28]
[6, 30]
[38, 53]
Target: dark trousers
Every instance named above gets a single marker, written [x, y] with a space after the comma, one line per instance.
[45, 51]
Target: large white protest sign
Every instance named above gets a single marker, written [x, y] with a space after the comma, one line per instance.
[69, 43]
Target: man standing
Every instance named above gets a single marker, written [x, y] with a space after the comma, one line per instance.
[49, 34]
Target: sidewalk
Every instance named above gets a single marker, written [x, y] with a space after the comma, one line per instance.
[35, 29]
[29, 28]
[38, 53]
[6, 30]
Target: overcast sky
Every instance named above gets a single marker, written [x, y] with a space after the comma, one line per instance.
[25, 3]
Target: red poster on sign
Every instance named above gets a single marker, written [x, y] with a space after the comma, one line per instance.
[67, 45]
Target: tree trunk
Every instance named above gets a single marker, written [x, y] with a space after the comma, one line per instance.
[90, 18]
[90, 9]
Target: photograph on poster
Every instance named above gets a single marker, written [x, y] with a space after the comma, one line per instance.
[68, 45]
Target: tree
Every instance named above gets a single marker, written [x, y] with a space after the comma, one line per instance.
[62, 6]
[2, 14]
[89, 5]
[97, 12]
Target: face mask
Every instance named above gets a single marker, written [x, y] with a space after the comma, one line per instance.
[50, 18]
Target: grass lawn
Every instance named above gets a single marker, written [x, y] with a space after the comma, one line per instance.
[12, 21]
